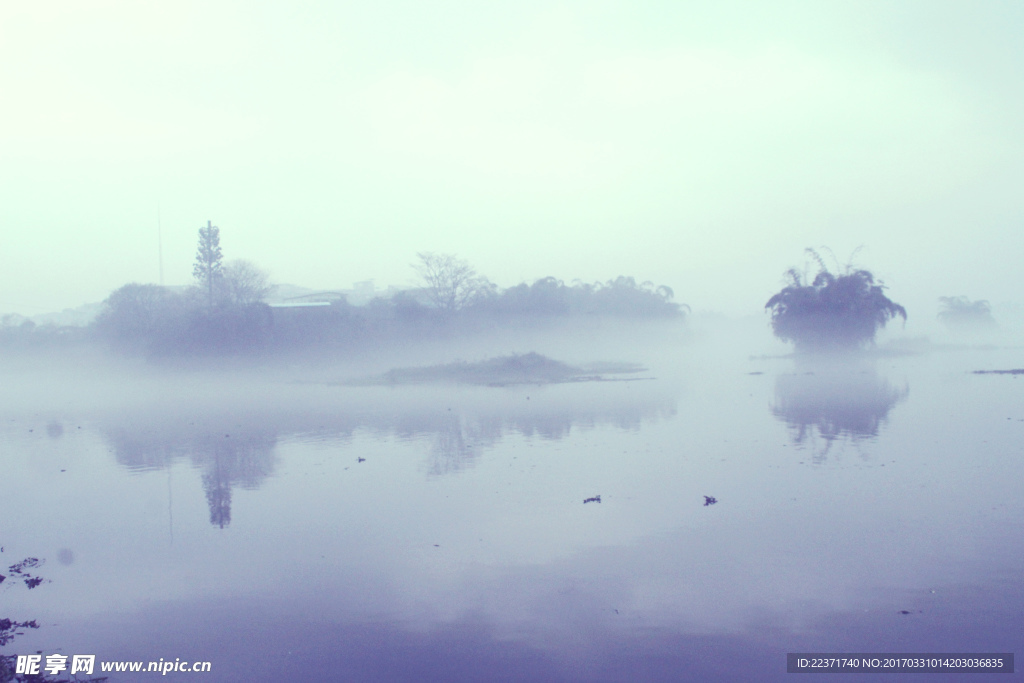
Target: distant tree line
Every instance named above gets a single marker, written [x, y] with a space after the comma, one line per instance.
[452, 285]
[18, 331]
[156, 320]
[225, 311]
[621, 297]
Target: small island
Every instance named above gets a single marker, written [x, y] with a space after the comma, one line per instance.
[529, 368]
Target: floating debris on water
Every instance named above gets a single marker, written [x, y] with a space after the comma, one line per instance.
[595, 499]
[19, 569]
[709, 500]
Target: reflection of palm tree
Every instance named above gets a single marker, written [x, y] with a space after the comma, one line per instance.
[835, 404]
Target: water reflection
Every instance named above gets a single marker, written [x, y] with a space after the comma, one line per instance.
[834, 403]
[456, 446]
[462, 550]
[237, 446]
[246, 461]
[245, 457]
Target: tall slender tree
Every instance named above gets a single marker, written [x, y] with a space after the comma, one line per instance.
[208, 268]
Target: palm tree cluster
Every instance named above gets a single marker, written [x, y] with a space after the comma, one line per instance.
[832, 312]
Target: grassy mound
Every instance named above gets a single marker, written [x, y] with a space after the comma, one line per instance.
[530, 368]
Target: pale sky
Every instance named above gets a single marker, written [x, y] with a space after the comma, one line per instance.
[695, 146]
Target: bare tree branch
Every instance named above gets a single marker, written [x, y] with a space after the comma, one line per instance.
[245, 283]
[450, 281]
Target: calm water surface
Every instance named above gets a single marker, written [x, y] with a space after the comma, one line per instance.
[299, 531]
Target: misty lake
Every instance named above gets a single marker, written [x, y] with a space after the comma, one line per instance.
[285, 527]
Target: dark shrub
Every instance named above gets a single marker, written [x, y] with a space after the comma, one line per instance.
[959, 312]
[833, 312]
[232, 328]
[144, 317]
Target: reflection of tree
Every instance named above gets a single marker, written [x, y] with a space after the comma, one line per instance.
[144, 448]
[232, 450]
[245, 458]
[230, 459]
[454, 447]
[834, 404]
[555, 425]
[558, 425]
[218, 495]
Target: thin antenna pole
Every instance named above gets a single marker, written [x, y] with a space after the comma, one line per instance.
[159, 244]
[170, 510]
